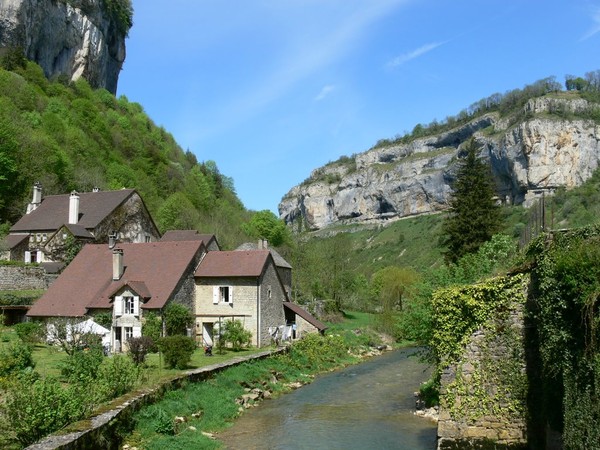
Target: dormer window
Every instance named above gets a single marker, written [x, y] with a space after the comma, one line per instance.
[129, 303]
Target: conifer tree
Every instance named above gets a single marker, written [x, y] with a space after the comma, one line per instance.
[474, 216]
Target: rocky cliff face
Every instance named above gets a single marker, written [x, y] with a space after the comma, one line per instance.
[534, 156]
[76, 38]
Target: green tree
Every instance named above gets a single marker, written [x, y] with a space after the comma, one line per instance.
[265, 225]
[474, 216]
[178, 319]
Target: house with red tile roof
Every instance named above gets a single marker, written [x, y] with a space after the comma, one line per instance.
[54, 222]
[126, 281]
[245, 285]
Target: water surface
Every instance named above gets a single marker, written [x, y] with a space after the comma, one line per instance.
[366, 406]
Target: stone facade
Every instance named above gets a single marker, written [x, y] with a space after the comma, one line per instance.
[257, 303]
[482, 401]
[23, 277]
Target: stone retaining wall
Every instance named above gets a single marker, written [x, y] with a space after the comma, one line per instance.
[102, 431]
[22, 278]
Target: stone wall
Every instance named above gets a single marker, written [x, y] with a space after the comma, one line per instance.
[272, 295]
[22, 278]
[105, 430]
[483, 396]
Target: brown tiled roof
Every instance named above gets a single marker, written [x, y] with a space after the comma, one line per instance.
[187, 235]
[279, 261]
[78, 231]
[233, 264]
[87, 282]
[53, 212]
[12, 240]
[139, 287]
[298, 310]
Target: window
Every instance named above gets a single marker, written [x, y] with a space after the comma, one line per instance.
[224, 294]
[128, 333]
[129, 303]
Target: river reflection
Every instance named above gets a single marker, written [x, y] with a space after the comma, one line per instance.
[367, 406]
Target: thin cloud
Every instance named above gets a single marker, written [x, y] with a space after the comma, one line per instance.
[402, 59]
[324, 92]
[595, 16]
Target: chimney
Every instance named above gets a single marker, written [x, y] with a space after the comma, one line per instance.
[74, 208]
[117, 264]
[112, 240]
[37, 197]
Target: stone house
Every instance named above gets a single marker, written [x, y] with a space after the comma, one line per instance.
[53, 223]
[246, 286]
[283, 267]
[125, 282]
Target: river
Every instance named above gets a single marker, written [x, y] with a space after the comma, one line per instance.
[366, 406]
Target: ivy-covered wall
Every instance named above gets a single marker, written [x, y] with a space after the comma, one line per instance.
[479, 341]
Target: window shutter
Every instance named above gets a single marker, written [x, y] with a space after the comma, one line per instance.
[27, 256]
[136, 306]
[118, 305]
[39, 256]
[215, 295]
[230, 295]
[137, 332]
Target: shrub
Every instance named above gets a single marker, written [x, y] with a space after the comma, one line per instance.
[14, 358]
[153, 329]
[235, 334]
[82, 365]
[139, 348]
[30, 332]
[37, 408]
[177, 350]
[178, 318]
[118, 375]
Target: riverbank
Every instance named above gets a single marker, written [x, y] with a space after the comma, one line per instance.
[193, 416]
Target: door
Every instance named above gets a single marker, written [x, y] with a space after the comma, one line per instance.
[207, 333]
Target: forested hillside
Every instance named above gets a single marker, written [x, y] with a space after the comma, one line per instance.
[70, 137]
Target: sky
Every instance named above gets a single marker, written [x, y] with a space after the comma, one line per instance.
[273, 89]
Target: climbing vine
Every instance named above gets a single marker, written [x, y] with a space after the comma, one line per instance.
[567, 314]
[482, 319]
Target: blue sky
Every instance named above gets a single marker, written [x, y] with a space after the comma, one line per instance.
[272, 89]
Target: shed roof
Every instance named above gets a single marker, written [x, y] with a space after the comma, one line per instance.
[152, 269]
[187, 235]
[298, 310]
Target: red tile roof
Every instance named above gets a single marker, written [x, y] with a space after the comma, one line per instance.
[53, 212]
[235, 263]
[87, 282]
[13, 240]
[187, 235]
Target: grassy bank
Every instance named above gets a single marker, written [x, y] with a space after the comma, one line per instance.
[190, 417]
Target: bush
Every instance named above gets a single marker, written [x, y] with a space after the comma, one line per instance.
[118, 375]
[14, 358]
[178, 318]
[177, 350]
[139, 348]
[82, 365]
[37, 408]
[153, 329]
[29, 332]
[235, 334]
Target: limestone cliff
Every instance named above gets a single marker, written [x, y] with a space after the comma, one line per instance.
[535, 155]
[76, 38]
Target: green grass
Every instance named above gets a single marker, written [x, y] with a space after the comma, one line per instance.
[215, 398]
